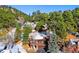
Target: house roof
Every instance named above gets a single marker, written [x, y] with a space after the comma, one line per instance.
[70, 37]
[37, 36]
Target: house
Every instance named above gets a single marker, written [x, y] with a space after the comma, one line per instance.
[69, 37]
[36, 40]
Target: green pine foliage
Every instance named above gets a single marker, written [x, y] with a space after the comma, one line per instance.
[53, 47]
[27, 30]
[8, 17]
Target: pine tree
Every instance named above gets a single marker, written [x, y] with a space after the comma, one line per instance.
[53, 43]
[27, 30]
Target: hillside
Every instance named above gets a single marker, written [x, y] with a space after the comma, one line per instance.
[60, 21]
[10, 16]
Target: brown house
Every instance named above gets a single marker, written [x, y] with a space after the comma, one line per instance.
[37, 40]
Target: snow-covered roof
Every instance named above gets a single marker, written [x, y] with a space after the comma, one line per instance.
[37, 36]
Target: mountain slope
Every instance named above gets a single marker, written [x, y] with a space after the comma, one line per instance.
[9, 16]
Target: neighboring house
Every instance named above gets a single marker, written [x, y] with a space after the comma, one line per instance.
[69, 37]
